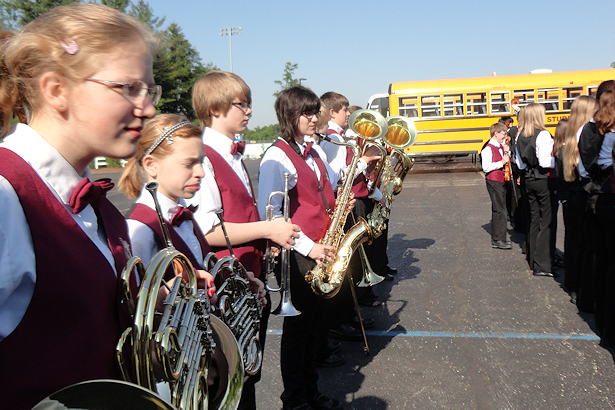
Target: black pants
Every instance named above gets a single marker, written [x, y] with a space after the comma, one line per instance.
[575, 241]
[603, 245]
[552, 184]
[539, 199]
[497, 192]
[248, 394]
[298, 344]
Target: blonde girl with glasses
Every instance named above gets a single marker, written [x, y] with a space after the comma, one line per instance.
[63, 244]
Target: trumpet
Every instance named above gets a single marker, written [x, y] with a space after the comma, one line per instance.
[285, 308]
[238, 306]
[176, 345]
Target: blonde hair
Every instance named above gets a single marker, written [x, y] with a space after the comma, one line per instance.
[581, 111]
[133, 178]
[95, 29]
[533, 119]
[559, 139]
[215, 91]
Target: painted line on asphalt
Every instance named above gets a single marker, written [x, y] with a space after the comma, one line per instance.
[475, 335]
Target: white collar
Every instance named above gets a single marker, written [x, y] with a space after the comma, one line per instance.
[48, 163]
[220, 143]
[168, 207]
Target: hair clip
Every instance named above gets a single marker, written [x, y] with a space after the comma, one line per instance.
[167, 134]
[70, 46]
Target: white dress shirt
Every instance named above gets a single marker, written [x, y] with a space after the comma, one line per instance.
[18, 267]
[336, 156]
[143, 240]
[208, 197]
[271, 178]
[544, 151]
[605, 157]
[486, 156]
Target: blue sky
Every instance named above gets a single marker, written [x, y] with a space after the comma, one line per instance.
[357, 48]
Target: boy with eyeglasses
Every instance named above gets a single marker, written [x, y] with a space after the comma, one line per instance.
[493, 158]
[222, 102]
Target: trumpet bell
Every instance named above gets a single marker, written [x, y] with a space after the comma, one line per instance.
[368, 124]
[401, 132]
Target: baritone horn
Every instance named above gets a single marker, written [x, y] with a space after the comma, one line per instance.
[285, 308]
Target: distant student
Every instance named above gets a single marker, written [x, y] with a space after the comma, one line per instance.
[493, 158]
[222, 101]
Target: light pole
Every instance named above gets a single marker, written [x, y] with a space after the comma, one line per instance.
[302, 79]
[230, 32]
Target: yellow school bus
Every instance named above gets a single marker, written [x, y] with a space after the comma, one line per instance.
[453, 116]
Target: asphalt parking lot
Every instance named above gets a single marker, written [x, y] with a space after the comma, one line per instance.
[462, 325]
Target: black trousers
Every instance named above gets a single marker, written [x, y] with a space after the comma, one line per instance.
[603, 245]
[248, 394]
[575, 241]
[552, 184]
[497, 193]
[539, 199]
[298, 344]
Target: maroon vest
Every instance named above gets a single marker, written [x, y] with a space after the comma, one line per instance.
[359, 186]
[498, 174]
[69, 331]
[238, 207]
[307, 207]
[149, 217]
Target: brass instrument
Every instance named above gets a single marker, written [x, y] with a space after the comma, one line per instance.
[177, 344]
[327, 279]
[238, 306]
[401, 134]
[285, 308]
[369, 124]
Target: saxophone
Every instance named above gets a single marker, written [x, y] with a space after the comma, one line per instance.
[326, 279]
[401, 134]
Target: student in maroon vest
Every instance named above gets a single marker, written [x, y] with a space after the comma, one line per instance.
[169, 153]
[311, 199]
[83, 72]
[493, 158]
[222, 102]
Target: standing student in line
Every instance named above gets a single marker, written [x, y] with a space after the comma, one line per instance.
[311, 199]
[494, 158]
[534, 146]
[83, 74]
[223, 103]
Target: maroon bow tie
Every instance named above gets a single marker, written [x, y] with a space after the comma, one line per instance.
[307, 149]
[87, 192]
[238, 147]
[184, 214]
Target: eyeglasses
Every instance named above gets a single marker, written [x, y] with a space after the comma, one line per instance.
[310, 117]
[134, 90]
[243, 106]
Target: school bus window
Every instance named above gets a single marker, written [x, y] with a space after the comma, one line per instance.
[430, 106]
[525, 97]
[549, 97]
[592, 90]
[476, 103]
[500, 102]
[452, 105]
[569, 94]
[409, 107]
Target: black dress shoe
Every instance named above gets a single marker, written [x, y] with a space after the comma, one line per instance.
[389, 270]
[388, 276]
[346, 332]
[501, 244]
[332, 360]
[367, 323]
[322, 402]
[541, 273]
[333, 347]
[299, 407]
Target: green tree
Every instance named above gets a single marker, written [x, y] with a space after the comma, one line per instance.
[143, 12]
[119, 5]
[287, 80]
[20, 12]
[177, 67]
[262, 134]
